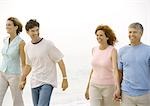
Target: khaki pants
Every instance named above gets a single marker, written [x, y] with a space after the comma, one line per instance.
[102, 95]
[143, 100]
[12, 81]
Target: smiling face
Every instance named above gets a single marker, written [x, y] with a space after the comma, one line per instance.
[134, 35]
[33, 32]
[101, 37]
[10, 28]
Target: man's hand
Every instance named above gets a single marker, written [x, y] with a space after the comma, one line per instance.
[64, 84]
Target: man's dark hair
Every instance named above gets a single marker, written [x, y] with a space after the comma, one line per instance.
[31, 24]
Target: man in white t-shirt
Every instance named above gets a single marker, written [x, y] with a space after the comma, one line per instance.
[41, 59]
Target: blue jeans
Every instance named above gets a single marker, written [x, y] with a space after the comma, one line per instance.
[42, 94]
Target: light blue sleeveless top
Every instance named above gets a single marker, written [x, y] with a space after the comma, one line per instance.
[11, 56]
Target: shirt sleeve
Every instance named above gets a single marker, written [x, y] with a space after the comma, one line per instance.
[54, 53]
[120, 63]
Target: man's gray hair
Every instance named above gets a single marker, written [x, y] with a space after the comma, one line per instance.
[137, 26]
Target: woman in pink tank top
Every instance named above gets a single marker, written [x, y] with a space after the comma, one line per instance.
[103, 85]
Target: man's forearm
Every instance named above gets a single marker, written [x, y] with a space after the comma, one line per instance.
[62, 68]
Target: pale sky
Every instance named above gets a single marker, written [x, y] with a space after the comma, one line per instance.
[70, 24]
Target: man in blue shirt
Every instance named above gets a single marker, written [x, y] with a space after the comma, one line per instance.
[134, 68]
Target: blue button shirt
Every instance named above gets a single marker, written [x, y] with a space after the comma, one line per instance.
[134, 61]
[11, 56]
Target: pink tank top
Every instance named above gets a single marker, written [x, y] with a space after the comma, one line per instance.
[102, 66]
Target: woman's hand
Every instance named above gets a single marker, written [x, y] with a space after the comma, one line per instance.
[87, 94]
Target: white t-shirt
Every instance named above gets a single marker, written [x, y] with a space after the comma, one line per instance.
[42, 57]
